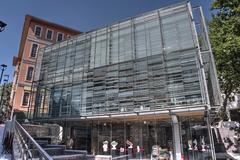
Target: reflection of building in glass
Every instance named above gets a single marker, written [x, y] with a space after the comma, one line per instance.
[143, 81]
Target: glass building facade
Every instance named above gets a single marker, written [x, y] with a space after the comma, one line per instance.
[149, 62]
[112, 79]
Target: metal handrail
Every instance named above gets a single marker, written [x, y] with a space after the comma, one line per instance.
[44, 154]
[23, 144]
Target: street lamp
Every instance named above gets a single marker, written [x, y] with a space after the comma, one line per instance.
[3, 69]
[2, 26]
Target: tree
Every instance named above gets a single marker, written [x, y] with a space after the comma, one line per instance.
[225, 39]
[5, 107]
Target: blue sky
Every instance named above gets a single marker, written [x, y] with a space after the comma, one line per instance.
[83, 15]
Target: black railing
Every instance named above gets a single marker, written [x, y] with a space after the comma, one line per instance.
[29, 148]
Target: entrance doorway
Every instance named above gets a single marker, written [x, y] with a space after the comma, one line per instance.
[82, 137]
[135, 139]
[140, 138]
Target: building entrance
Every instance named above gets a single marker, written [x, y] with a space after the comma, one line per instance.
[82, 137]
[133, 139]
[144, 138]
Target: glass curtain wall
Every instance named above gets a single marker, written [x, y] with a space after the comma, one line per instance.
[195, 138]
[138, 138]
[123, 138]
[146, 63]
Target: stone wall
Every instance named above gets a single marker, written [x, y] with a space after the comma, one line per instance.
[49, 130]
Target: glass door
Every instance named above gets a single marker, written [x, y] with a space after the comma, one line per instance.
[195, 139]
[135, 139]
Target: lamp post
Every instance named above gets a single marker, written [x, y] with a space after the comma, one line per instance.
[2, 26]
[3, 69]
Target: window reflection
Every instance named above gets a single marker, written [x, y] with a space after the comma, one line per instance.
[149, 62]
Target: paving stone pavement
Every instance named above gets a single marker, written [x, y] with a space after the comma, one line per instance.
[3, 156]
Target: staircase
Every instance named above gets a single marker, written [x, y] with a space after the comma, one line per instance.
[26, 147]
[223, 141]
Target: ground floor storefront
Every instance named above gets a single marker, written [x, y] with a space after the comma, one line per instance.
[143, 137]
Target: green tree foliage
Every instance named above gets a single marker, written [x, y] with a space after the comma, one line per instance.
[5, 107]
[225, 39]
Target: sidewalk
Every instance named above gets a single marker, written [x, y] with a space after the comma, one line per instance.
[234, 155]
[3, 156]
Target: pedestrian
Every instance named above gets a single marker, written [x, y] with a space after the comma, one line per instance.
[69, 143]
